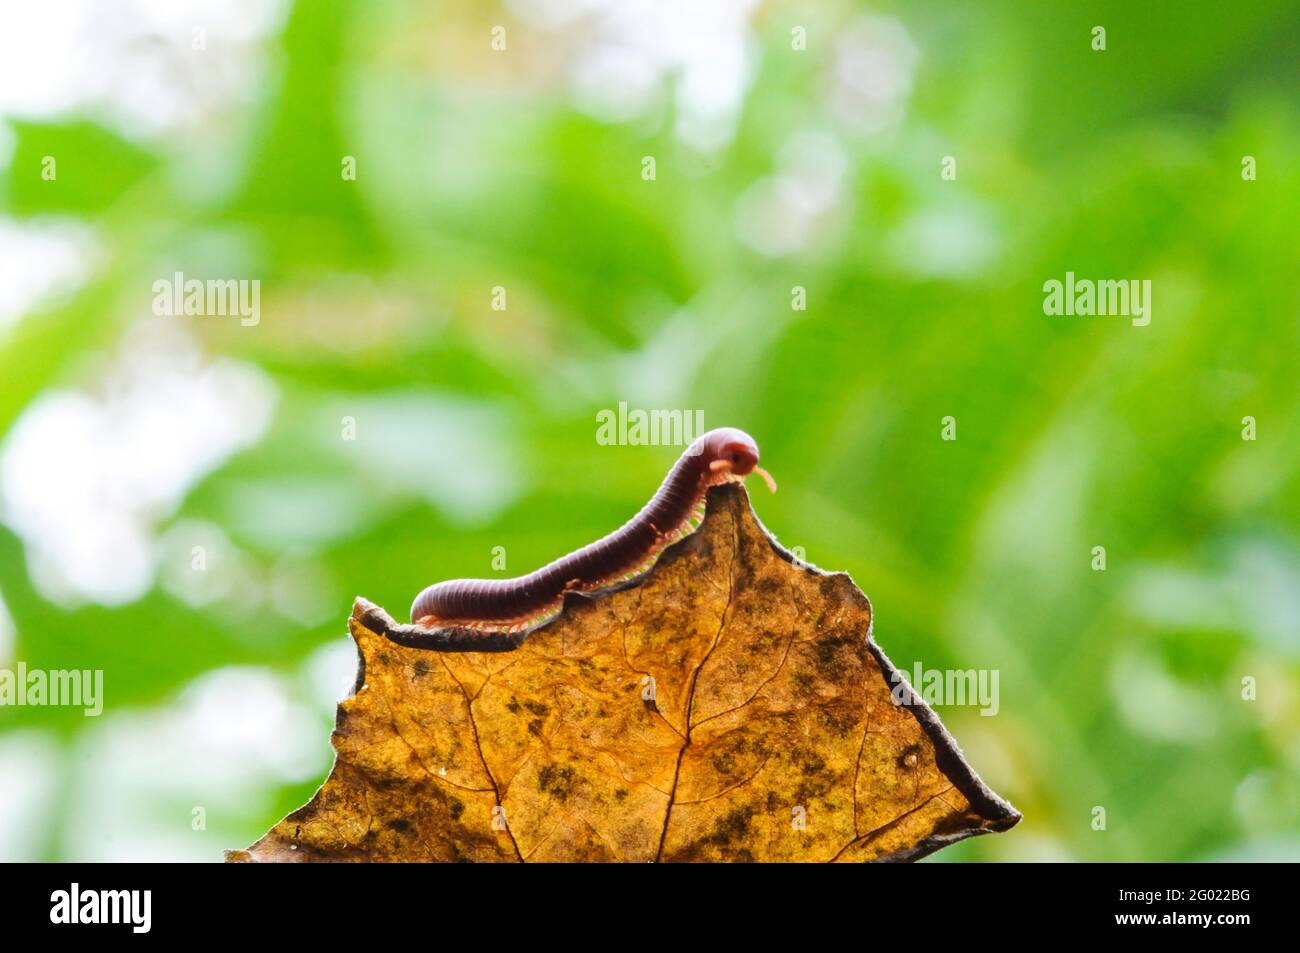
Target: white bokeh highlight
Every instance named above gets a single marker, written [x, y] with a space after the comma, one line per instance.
[85, 477]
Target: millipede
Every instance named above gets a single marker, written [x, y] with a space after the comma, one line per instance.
[495, 614]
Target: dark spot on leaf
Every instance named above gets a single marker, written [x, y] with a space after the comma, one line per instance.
[838, 718]
[556, 780]
[734, 826]
[826, 651]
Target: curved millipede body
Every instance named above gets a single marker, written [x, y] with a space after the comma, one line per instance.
[488, 606]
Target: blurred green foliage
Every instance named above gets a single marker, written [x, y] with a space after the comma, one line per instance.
[476, 428]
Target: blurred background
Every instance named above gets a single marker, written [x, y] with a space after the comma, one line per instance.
[214, 138]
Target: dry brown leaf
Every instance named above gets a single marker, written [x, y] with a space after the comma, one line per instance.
[769, 700]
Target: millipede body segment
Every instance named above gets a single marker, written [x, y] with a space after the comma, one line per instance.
[513, 605]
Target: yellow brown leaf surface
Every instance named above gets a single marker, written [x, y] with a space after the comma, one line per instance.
[731, 706]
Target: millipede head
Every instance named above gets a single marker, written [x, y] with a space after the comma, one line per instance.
[735, 456]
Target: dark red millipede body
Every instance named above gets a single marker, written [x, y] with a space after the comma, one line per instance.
[486, 606]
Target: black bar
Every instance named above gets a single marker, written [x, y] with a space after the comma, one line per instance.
[661, 905]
